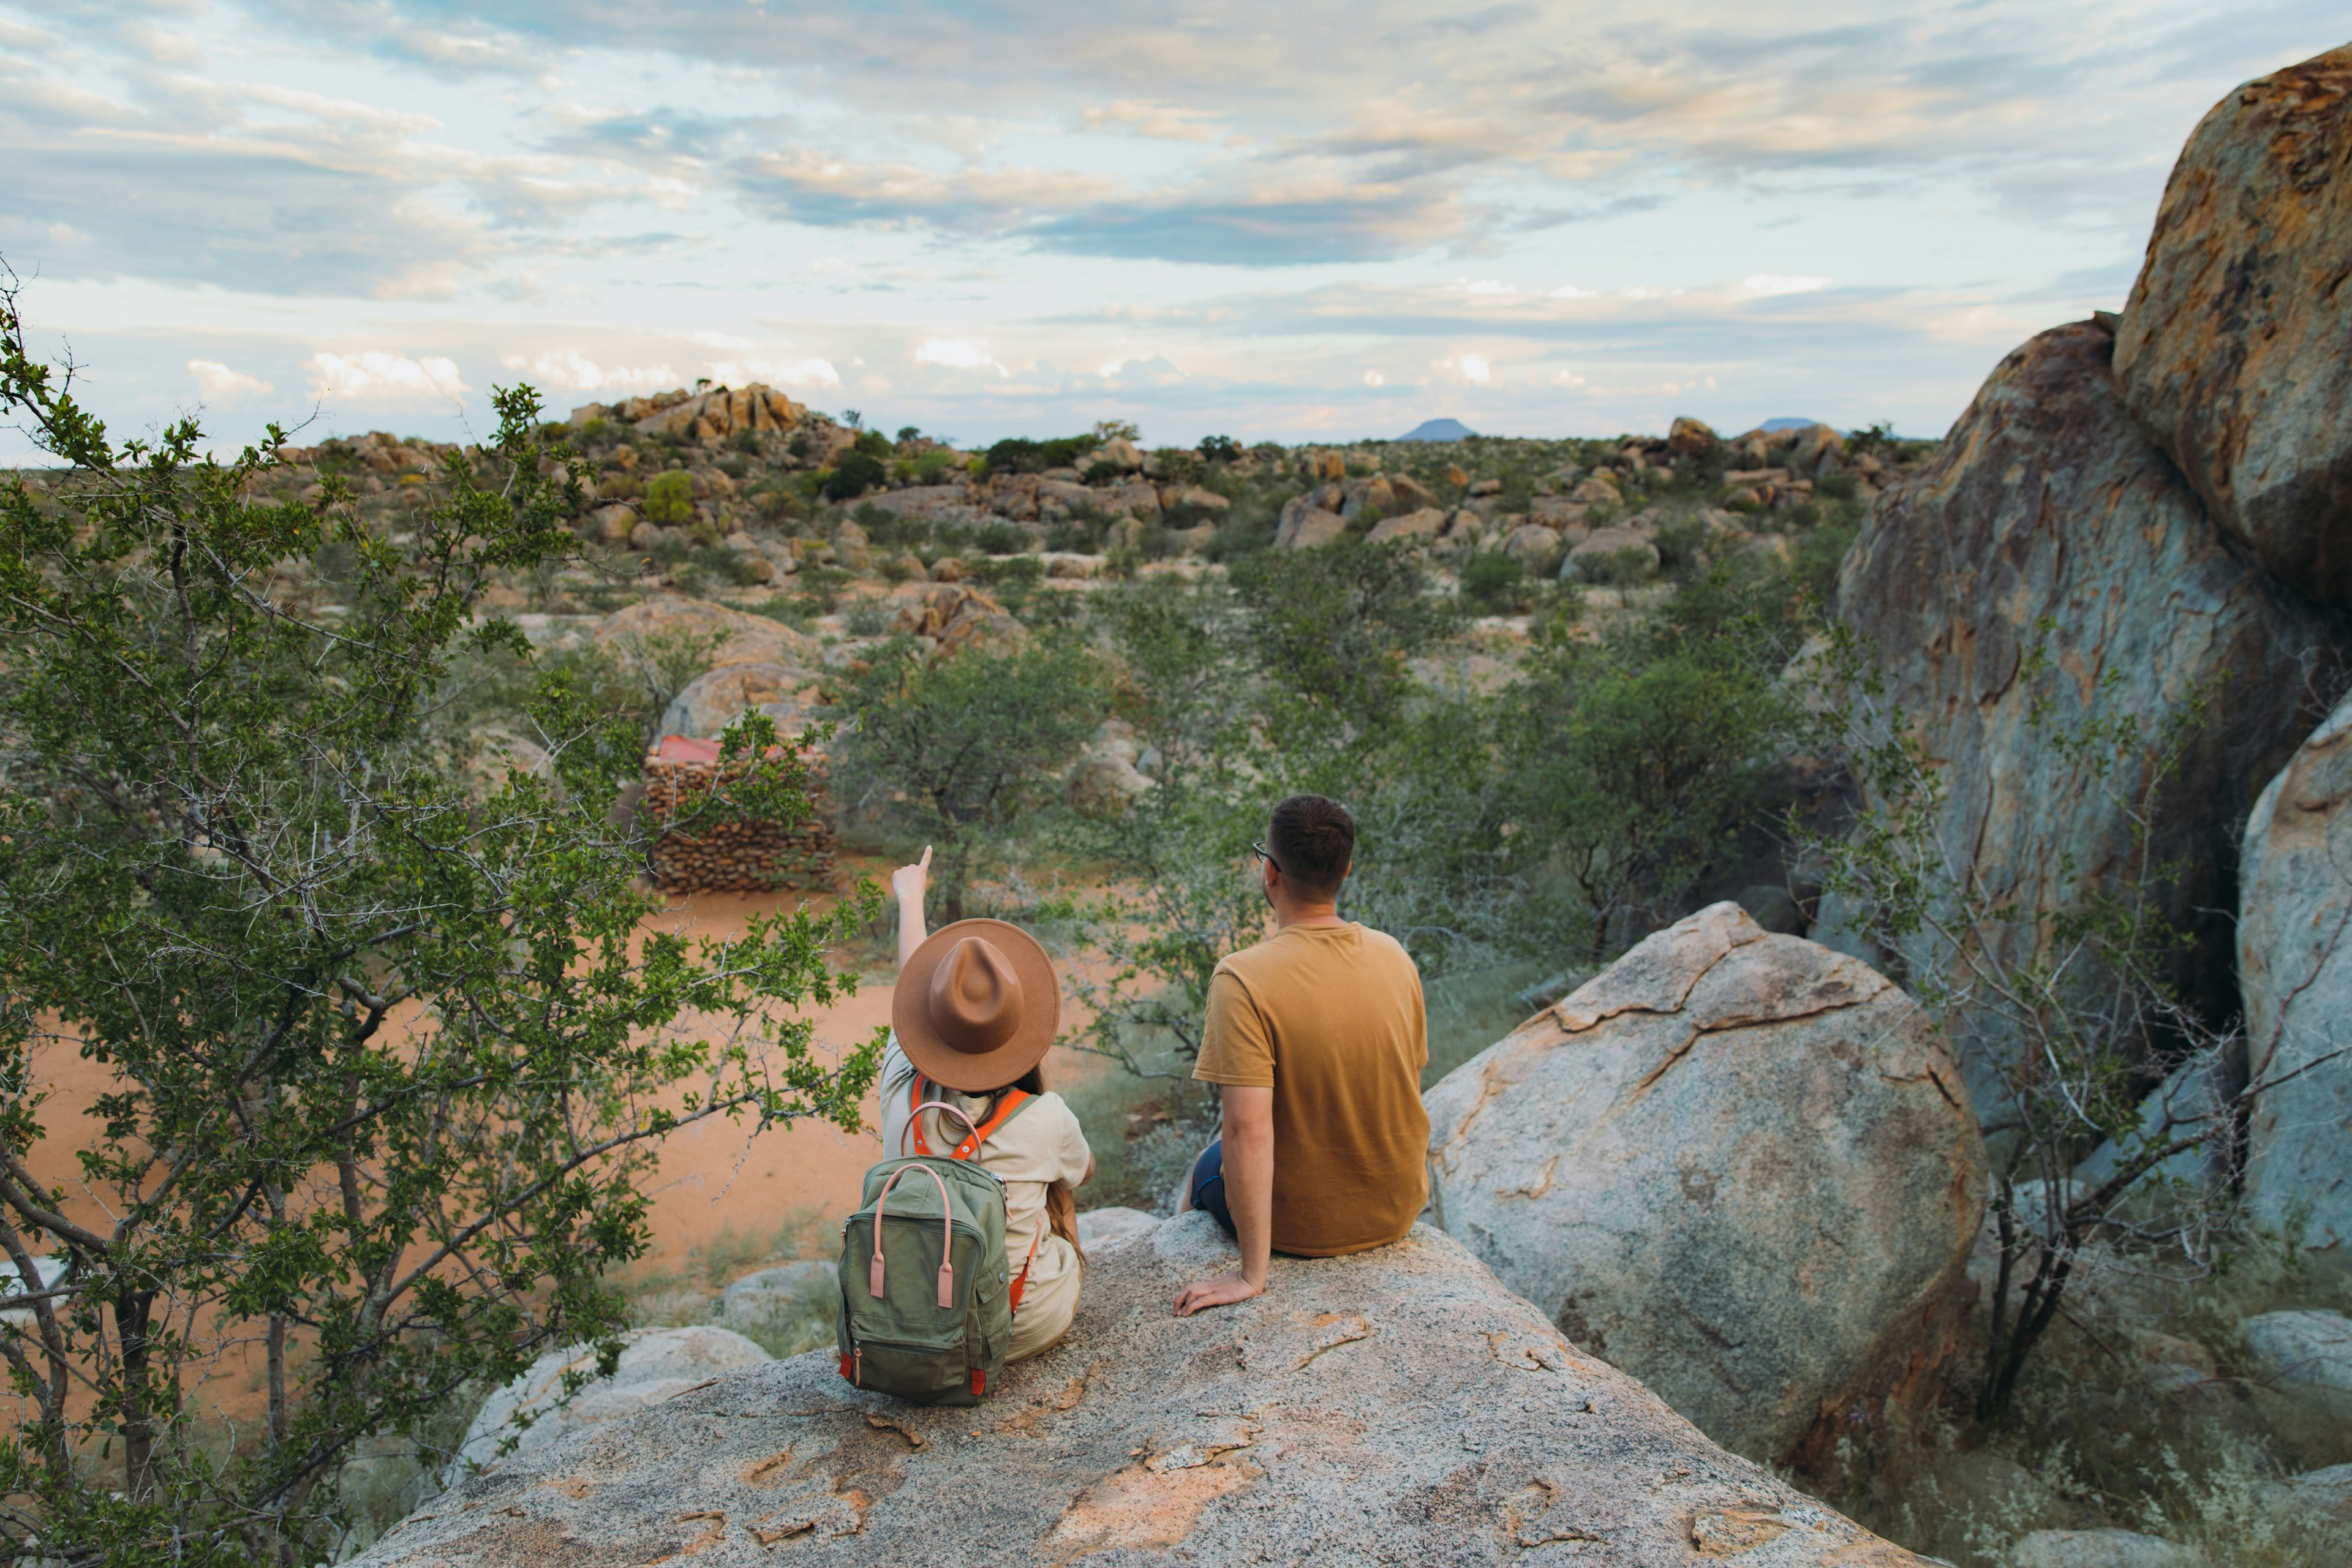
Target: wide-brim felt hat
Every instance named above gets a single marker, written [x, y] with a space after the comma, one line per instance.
[977, 1006]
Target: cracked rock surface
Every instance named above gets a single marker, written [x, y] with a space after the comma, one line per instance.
[1398, 1406]
[1739, 1166]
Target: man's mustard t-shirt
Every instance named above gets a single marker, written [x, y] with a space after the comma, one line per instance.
[1330, 1018]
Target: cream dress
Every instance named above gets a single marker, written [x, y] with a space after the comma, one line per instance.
[1041, 1145]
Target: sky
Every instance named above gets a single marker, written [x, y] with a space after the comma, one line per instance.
[1298, 223]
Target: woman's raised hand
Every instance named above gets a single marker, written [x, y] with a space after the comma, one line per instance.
[909, 883]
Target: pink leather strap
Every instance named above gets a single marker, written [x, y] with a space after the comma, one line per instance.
[915, 1109]
[946, 1235]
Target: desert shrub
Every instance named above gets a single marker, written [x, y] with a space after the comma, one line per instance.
[1679, 543]
[1837, 487]
[1177, 466]
[997, 538]
[1019, 455]
[669, 499]
[855, 473]
[1623, 568]
[1496, 582]
[866, 618]
[385, 1058]
[1220, 448]
[959, 750]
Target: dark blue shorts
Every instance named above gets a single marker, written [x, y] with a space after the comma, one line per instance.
[1209, 1186]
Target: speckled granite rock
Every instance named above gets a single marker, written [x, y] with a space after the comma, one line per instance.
[2047, 568]
[2295, 967]
[2235, 352]
[1740, 1166]
[1398, 1406]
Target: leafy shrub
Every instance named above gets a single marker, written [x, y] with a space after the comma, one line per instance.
[746, 441]
[873, 444]
[1220, 448]
[1019, 455]
[857, 473]
[866, 618]
[1679, 543]
[1494, 581]
[1177, 466]
[997, 538]
[1837, 487]
[669, 499]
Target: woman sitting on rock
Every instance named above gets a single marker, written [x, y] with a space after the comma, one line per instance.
[976, 1007]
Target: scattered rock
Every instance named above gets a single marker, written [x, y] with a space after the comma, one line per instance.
[1428, 523]
[2295, 971]
[1739, 1166]
[656, 1365]
[2230, 352]
[1488, 488]
[1606, 551]
[2317, 1503]
[1532, 545]
[2101, 1549]
[1305, 528]
[1120, 454]
[759, 1299]
[1102, 1227]
[1816, 450]
[2047, 502]
[1397, 1405]
[732, 637]
[613, 524]
[717, 698]
[1691, 438]
[960, 617]
[1598, 491]
[948, 569]
[2304, 1351]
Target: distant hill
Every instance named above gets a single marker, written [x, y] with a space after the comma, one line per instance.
[1787, 424]
[1438, 430]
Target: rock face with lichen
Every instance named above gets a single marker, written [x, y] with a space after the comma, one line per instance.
[1395, 1407]
[2235, 352]
[2048, 572]
[1740, 1166]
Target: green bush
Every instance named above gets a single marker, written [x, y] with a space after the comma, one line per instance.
[1220, 448]
[1019, 455]
[857, 473]
[1496, 582]
[669, 499]
[997, 538]
[1679, 543]
[1837, 487]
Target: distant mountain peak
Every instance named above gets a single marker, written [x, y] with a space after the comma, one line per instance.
[1438, 430]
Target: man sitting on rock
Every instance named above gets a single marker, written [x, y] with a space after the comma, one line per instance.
[1317, 1037]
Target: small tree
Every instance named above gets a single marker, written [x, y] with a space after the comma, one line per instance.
[386, 1068]
[2069, 1008]
[669, 499]
[959, 748]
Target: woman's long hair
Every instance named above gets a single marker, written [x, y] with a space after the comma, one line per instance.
[1061, 1203]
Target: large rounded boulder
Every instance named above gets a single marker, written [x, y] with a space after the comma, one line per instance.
[656, 1364]
[1396, 1406]
[2235, 352]
[1740, 1166]
[2045, 574]
[2295, 965]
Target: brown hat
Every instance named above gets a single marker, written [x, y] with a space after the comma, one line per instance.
[977, 1006]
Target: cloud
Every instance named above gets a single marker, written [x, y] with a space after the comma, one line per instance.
[222, 385]
[575, 372]
[1160, 121]
[956, 354]
[377, 377]
[809, 372]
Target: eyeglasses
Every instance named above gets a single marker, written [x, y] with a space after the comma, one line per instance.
[1259, 851]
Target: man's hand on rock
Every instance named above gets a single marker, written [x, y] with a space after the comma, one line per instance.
[1223, 1292]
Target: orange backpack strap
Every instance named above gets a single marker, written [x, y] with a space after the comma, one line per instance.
[1022, 1283]
[1006, 1107]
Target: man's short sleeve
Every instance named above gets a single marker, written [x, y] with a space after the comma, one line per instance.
[1235, 1048]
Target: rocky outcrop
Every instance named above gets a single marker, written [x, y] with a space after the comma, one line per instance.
[731, 637]
[1739, 1166]
[2232, 352]
[2047, 504]
[656, 1364]
[717, 698]
[956, 617]
[2294, 968]
[704, 417]
[2307, 1355]
[1395, 1407]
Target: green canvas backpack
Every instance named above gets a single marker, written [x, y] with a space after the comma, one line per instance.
[926, 1297]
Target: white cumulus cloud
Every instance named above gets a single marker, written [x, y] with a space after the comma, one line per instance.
[956, 354]
[809, 372]
[378, 377]
[1764, 284]
[1475, 367]
[216, 380]
[576, 371]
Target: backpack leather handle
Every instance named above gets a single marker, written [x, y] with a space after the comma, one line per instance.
[946, 1235]
[916, 1116]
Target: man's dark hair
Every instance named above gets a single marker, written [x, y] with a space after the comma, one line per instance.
[1312, 840]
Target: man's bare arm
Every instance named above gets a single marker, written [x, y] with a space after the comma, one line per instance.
[1249, 1194]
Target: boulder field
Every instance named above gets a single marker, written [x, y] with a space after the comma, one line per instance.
[1397, 1406]
[1740, 1166]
